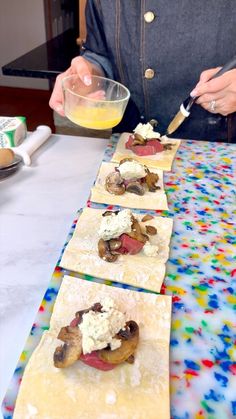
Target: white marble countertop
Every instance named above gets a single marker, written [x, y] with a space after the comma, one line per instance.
[37, 207]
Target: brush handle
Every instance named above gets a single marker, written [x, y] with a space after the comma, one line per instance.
[188, 103]
[228, 66]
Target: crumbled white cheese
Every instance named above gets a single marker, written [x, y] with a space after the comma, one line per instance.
[146, 131]
[164, 138]
[112, 226]
[98, 329]
[150, 249]
[131, 170]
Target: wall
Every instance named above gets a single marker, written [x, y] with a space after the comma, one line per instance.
[22, 28]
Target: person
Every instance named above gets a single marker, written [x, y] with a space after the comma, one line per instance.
[161, 51]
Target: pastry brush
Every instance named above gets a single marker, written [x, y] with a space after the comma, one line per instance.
[185, 107]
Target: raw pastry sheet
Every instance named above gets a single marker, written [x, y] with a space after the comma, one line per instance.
[150, 200]
[161, 160]
[81, 253]
[139, 390]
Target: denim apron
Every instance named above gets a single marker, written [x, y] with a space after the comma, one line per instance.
[158, 49]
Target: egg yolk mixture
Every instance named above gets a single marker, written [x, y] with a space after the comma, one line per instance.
[95, 118]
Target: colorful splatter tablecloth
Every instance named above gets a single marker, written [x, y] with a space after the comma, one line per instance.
[201, 277]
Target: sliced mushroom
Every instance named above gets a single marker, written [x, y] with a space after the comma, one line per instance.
[151, 230]
[104, 251]
[107, 213]
[147, 217]
[151, 179]
[114, 244]
[126, 159]
[67, 354]
[114, 184]
[167, 146]
[97, 307]
[129, 341]
[135, 187]
[115, 189]
[138, 140]
[153, 122]
[114, 177]
[136, 232]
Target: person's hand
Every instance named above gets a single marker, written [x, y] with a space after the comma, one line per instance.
[79, 66]
[217, 95]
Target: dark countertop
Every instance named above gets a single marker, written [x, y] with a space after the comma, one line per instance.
[47, 60]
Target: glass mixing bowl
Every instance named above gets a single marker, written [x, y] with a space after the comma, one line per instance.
[100, 105]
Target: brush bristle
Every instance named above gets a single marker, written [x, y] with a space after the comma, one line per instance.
[176, 122]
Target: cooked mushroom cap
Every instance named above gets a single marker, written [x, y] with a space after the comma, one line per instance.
[136, 232]
[151, 230]
[104, 251]
[97, 307]
[107, 213]
[114, 244]
[114, 183]
[126, 159]
[147, 217]
[151, 179]
[129, 341]
[139, 140]
[67, 354]
[135, 187]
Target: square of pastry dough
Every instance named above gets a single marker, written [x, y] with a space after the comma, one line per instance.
[148, 272]
[139, 390]
[162, 160]
[150, 200]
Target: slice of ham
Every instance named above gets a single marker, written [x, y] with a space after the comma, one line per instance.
[132, 246]
[151, 147]
[143, 150]
[156, 144]
[122, 251]
[94, 361]
[129, 143]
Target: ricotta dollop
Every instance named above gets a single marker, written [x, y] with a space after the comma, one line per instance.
[112, 226]
[146, 131]
[131, 170]
[98, 329]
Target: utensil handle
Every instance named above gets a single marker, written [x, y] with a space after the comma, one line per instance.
[228, 66]
[32, 143]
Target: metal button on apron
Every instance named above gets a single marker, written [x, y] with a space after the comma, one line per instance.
[149, 73]
[149, 17]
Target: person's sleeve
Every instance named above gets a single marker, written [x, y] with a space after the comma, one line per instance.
[95, 47]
